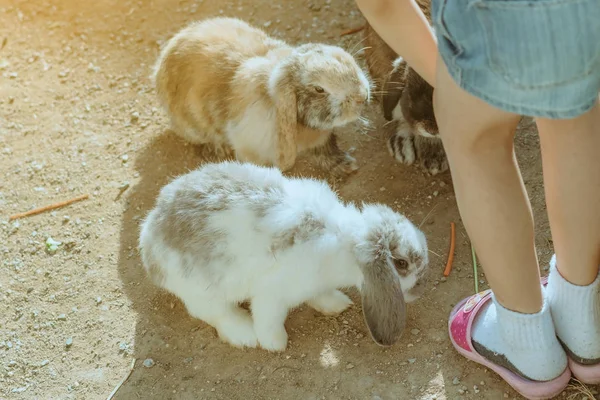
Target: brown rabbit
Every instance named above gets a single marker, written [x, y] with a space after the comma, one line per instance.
[226, 83]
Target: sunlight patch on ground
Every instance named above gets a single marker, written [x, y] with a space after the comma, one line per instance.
[328, 358]
[435, 389]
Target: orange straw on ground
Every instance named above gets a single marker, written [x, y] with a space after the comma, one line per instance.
[451, 252]
[48, 207]
[352, 31]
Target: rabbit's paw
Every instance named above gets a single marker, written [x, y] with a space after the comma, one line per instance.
[238, 330]
[346, 166]
[431, 155]
[402, 149]
[272, 338]
[330, 303]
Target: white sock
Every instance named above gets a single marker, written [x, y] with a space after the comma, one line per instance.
[524, 343]
[576, 314]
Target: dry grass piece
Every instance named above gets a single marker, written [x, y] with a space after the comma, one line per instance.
[48, 207]
[352, 31]
[580, 391]
[451, 252]
[116, 389]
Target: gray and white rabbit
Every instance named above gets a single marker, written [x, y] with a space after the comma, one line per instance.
[232, 232]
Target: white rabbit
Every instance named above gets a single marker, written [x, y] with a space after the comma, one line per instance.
[230, 232]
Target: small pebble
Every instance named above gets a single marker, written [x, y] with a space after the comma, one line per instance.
[461, 391]
[443, 279]
[506, 395]
[69, 342]
[412, 360]
[135, 117]
[349, 366]
[52, 245]
[98, 300]
[415, 332]
[455, 381]
[475, 389]
[148, 363]
[62, 317]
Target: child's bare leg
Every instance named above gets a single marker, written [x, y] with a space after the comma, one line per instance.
[571, 157]
[572, 181]
[490, 193]
[515, 331]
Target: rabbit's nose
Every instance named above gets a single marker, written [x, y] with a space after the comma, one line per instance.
[361, 100]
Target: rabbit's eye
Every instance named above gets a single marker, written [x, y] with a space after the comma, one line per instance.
[319, 89]
[401, 264]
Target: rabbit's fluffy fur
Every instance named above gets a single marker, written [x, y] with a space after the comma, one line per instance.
[407, 103]
[229, 84]
[231, 232]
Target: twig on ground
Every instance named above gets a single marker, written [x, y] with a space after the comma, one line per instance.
[451, 252]
[116, 389]
[475, 275]
[48, 207]
[122, 190]
[352, 31]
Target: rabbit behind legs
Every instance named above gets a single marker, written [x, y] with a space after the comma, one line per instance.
[229, 84]
[379, 56]
[231, 232]
[408, 103]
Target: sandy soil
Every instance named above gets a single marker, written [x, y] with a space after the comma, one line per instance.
[78, 115]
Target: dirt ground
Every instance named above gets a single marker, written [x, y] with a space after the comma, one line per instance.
[78, 115]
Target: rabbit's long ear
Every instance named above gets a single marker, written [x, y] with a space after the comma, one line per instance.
[392, 92]
[282, 90]
[383, 303]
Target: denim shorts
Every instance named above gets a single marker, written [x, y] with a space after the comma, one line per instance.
[539, 58]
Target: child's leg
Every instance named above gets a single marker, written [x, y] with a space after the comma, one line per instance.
[490, 193]
[571, 157]
[516, 332]
[572, 180]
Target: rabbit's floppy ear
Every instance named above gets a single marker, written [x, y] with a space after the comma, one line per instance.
[392, 91]
[282, 90]
[383, 302]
